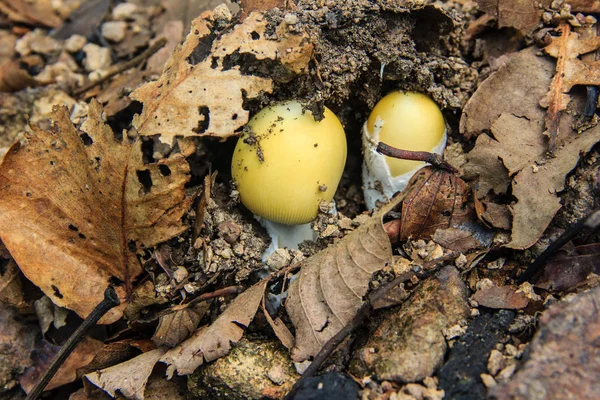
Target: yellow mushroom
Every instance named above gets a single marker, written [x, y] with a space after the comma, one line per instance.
[286, 163]
[405, 120]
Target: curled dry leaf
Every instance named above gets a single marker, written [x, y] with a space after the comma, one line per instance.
[213, 341]
[436, 199]
[506, 104]
[13, 78]
[175, 326]
[201, 94]
[331, 285]
[75, 204]
[128, 378]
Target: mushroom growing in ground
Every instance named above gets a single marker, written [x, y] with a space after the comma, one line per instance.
[286, 163]
[404, 120]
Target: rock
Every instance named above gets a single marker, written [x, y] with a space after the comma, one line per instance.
[460, 377]
[409, 345]
[38, 42]
[123, 11]
[563, 360]
[114, 30]
[280, 258]
[331, 386]
[260, 369]
[75, 43]
[97, 57]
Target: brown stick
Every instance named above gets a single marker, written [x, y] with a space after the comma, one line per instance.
[430, 158]
[117, 69]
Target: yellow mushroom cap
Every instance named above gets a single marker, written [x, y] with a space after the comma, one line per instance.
[285, 162]
[411, 121]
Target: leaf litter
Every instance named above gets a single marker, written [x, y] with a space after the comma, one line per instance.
[268, 56]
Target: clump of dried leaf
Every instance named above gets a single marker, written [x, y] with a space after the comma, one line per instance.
[514, 157]
[200, 93]
[74, 209]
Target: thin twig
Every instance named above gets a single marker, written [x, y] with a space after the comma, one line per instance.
[430, 158]
[110, 300]
[118, 68]
[217, 293]
[592, 221]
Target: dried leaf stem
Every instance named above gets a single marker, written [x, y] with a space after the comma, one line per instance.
[430, 158]
[110, 300]
[117, 69]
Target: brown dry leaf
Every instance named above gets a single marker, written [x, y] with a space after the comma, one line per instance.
[128, 378]
[570, 70]
[506, 104]
[563, 359]
[11, 287]
[115, 353]
[436, 199]
[74, 205]
[523, 15]
[281, 330]
[67, 373]
[17, 341]
[200, 94]
[38, 12]
[331, 285]
[464, 238]
[175, 326]
[213, 341]
[501, 297]
[565, 271]
[13, 78]
[585, 6]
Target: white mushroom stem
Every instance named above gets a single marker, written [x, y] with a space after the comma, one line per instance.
[289, 236]
[378, 182]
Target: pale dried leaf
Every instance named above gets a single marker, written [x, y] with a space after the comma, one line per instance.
[128, 378]
[331, 285]
[213, 341]
[198, 95]
[67, 373]
[71, 213]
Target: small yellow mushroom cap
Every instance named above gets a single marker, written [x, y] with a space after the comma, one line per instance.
[411, 121]
[285, 163]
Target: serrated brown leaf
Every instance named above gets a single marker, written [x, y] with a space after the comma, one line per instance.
[128, 378]
[331, 285]
[73, 208]
[213, 341]
[436, 199]
[198, 95]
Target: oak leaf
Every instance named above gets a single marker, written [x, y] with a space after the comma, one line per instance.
[524, 15]
[331, 285]
[75, 204]
[202, 89]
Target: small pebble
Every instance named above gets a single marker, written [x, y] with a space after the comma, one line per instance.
[290, 19]
[114, 30]
[123, 11]
[96, 57]
[75, 43]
